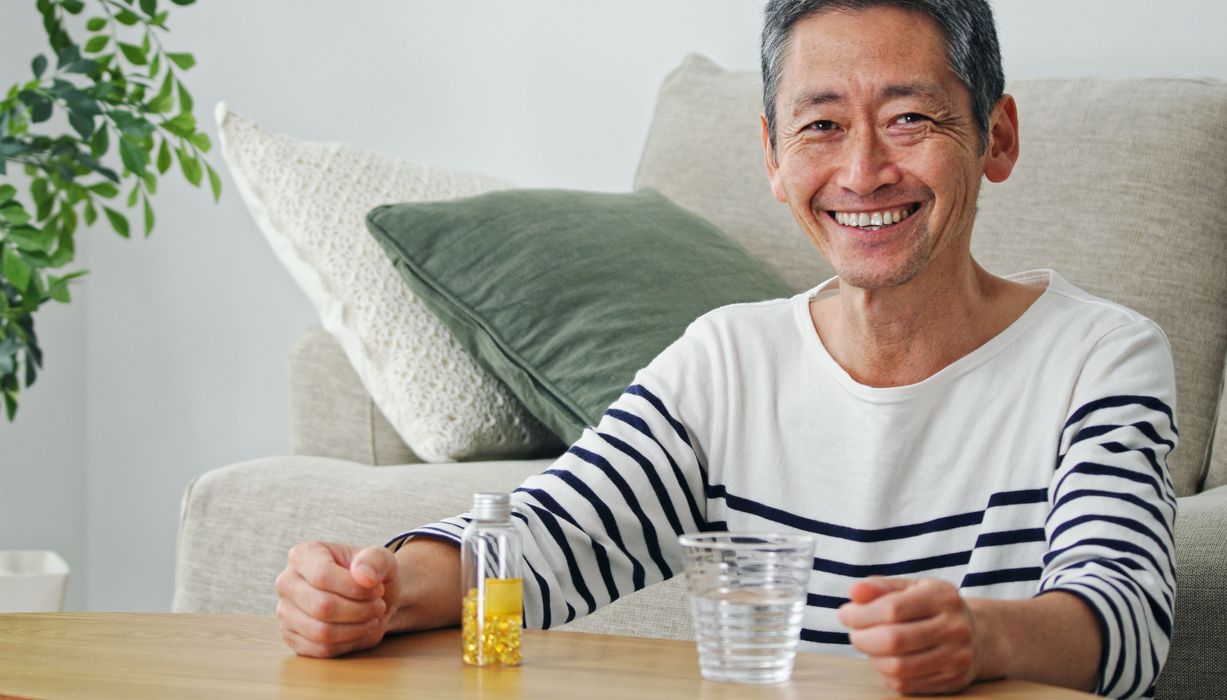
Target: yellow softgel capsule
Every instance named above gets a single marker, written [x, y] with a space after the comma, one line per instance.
[494, 639]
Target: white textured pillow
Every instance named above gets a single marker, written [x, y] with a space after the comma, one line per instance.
[310, 200]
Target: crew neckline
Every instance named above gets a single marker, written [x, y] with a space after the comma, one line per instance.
[989, 349]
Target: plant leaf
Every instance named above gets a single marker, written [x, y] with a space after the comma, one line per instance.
[82, 123]
[201, 140]
[96, 24]
[127, 17]
[97, 43]
[215, 183]
[185, 99]
[148, 217]
[149, 7]
[7, 192]
[39, 64]
[133, 53]
[91, 213]
[190, 166]
[104, 189]
[164, 157]
[16, 269]
[100, 142]
[119, 222]
[134, 157]
[16, 215]
[183, 60]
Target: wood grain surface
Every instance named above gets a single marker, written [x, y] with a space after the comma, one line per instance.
[127, 655]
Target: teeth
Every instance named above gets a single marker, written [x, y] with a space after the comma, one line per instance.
[876, 219]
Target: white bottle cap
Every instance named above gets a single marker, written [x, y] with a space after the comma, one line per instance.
[491, 507]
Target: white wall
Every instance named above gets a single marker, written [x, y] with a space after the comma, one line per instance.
[42, 454]
[183, 337]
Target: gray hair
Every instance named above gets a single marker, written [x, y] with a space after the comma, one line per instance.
[966, 25]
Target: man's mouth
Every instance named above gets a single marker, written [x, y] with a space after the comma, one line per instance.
[874, 220]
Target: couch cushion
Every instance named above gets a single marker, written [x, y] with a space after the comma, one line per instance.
[565, 295]
[309, 200]
[1119, 188]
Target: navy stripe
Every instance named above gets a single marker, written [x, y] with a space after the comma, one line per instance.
[1124, 567]
[1149, 454]
[1161, 615]
[628, 495]
[1150, 646]
[606, 517]
[717, 526]
[1095, 469]
[897, 532]
[649, 470]
[641, 391]
[988, 578]
[823, 637]
[641, 425]
[1105, 635]
[996, 539]
[1123, 522]
[1015, 498]
[550, 522]
[1137, 634]
[545, 592]
[598, 549]
[898, 568]
[428, 531]
[824, 601]
[1117, 401]
[1126, 497]
[1095, 431]
[1110, 543]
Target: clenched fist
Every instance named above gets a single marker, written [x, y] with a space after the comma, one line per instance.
[334, 598]
[919, 634]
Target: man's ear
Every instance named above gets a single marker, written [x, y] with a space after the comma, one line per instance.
[1002, 152]
[773, 166]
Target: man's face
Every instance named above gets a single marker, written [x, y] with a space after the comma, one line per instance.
[877, 151]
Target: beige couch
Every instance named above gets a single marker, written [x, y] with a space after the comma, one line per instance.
[1120, 187]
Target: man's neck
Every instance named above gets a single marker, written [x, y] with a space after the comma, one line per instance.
[903, 335]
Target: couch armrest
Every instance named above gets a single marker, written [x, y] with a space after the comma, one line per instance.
[331, 414]
[1199, 645]
[238, 523]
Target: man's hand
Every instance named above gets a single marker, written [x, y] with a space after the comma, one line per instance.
[334, 599]
[919, 634]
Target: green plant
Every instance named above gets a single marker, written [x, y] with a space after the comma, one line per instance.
[119, 90]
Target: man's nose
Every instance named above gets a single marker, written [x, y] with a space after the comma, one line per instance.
[867, 163]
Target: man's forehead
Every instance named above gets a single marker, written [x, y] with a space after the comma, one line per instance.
[922, 88]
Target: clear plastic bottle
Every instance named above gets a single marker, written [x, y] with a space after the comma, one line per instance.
[492, 611]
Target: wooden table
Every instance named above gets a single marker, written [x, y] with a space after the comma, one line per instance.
[104, 655]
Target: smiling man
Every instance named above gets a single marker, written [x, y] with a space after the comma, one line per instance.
[982, 459]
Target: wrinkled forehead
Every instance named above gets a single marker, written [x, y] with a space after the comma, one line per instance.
[884, 51]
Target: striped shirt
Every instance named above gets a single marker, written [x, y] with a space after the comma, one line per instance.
[1037, 462]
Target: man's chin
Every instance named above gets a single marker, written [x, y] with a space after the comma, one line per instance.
[879, 278]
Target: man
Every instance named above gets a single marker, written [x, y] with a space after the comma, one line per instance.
[994, 448]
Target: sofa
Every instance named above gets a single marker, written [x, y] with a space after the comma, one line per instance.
[1118, 188]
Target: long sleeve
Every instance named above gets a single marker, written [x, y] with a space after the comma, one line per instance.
[602, 521]
[1113, 507]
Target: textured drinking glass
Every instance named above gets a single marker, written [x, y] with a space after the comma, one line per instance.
[747, 595]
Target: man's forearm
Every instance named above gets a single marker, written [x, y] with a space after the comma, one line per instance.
[430, 586]
[1053, 638]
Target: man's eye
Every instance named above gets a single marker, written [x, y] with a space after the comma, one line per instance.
[911, 118]
[822, 125]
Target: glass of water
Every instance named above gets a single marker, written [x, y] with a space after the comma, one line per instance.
[747, 596]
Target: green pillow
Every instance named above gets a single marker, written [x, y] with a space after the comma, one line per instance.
[564, 295]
